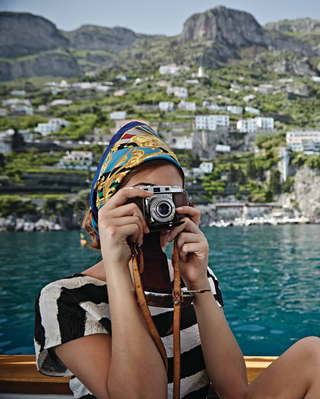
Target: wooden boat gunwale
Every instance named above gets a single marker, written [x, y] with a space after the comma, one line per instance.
[18, 374]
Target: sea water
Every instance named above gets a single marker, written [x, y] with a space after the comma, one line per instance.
[269, 277]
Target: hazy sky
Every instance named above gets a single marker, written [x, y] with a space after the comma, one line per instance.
[154, 16]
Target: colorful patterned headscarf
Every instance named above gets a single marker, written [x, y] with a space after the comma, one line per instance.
[134, 144]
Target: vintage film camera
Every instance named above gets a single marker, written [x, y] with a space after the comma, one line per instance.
[159, 210]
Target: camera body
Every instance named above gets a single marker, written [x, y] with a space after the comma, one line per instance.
[159, 210]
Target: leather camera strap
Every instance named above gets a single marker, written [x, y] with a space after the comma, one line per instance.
[137, 264]
[176, 321]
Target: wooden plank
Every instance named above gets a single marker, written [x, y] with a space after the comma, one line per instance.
[18, 374]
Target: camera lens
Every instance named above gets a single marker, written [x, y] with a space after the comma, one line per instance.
[164, 209]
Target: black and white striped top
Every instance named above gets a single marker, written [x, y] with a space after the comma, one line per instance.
[78, 306]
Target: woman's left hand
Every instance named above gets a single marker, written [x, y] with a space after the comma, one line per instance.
[193, 248]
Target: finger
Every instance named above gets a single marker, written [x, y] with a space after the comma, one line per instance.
[130, 209]
[129, 220]
[188, 225]
[190, 248]
[193, 213]
[126, 193]
[125, 232]
[185, 238]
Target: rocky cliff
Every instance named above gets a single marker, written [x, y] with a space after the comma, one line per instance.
[23, 34]
[300, 25]
[224, 26]
[210, 38]
[92, 37]
[307, 193]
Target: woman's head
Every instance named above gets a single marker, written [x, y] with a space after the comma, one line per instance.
[135, 156]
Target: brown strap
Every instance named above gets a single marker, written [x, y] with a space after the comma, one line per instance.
[144, 307]
[176, 322]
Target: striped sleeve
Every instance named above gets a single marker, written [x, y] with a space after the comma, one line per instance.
[63, 313]
[214, 285]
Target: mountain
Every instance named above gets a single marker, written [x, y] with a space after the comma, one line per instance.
[33, 46]
[23, 34]
[300, 25]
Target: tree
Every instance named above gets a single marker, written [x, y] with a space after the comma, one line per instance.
[233, 174]
[2, 161]
[251, 170]
[17, 141]
[275, 183]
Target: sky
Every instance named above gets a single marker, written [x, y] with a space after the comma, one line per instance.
[154, 16]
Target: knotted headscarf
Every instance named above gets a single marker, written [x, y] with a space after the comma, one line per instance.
[134, 144]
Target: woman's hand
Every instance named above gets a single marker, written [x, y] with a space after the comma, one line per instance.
[120, 221]
[193, 249]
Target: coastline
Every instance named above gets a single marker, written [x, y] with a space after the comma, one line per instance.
[208, 219]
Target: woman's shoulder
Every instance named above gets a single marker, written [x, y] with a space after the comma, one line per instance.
[73, 289]
[72, 282]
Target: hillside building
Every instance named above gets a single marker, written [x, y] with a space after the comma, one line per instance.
[181, 142]
[307, 141]
[252, 110]
[166, 106]
[211, 122]
[117, 115]
[6, 141]
[180, 92]
[187, 106]
[76, 160]
[253, 125]
[53, 126]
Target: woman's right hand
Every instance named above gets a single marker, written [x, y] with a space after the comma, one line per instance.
[118, 222]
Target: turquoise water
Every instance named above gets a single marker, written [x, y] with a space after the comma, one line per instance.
[269, 276]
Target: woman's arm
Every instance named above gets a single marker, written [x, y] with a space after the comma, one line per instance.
[128, 365]
[224, 360]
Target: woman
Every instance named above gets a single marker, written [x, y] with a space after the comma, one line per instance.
[91, 327]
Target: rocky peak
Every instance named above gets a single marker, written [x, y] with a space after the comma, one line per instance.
[300, 25]
[223, 25]
[24, 34]
[93, 37]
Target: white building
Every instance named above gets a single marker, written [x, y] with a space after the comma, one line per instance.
[247, 125]
[76, 160]
[180, 92]
[187, 106]
[207, 167]
[213, 106]
[21, 109]
[265, 123]
[15, 101]
[166, 106]
[119, 93]
[171, 69]
[211, 122]
[300, 140]
[18, 93]
[60, 103]
[234, 109]
[192, 81]
[53, 126]
[223, 148]
[182, 142]
[249, 97]
[265, 88]
[252, 110]
[6, 141]
[117, 115]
